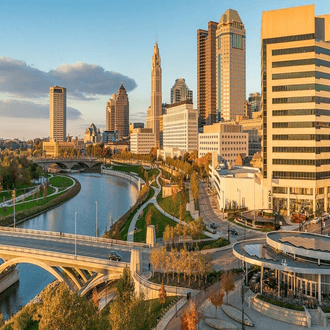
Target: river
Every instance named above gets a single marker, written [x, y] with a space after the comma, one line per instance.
[114, 196]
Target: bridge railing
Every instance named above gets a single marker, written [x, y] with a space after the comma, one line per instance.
[65, 256]
[84, 238]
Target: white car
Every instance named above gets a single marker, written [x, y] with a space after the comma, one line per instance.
[316, 220]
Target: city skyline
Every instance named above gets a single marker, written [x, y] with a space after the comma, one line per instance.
[89, 55]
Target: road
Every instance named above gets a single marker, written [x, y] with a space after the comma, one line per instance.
[316, 228]
[63, 245]
[210, 212]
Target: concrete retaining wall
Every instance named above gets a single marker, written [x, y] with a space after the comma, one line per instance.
[9, 280]
[123, 175]
[280, 313]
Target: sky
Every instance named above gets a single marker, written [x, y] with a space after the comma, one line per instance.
[90, 47]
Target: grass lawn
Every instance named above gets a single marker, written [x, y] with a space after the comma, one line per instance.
[41, 194]
[135, 169]
[60, 181]
[19, 192]
[124, 231]
[156, 307]
[173, 208]
[158, 219]
[154, 184]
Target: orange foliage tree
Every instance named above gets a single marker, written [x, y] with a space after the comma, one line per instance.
[216, 298]
[227, 283]
[190, 318]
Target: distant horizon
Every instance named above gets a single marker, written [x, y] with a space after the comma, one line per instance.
[51, 44]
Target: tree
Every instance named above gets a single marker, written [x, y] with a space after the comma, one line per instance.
[95, 298]
[181, 213]
[227, 283]
[216, 299]
[45, 192]
[125, 285]
[146, 177]
[64, 309]
[190, 318]
[162, 295]
[148, 217]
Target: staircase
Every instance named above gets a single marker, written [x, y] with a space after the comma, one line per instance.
[315, 317]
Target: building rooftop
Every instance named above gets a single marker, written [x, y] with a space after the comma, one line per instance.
[230, 15]
[238, 170]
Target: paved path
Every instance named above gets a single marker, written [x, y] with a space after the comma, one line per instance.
[153, 200]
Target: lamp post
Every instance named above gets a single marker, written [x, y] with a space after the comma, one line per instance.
[240, 198]
[75, 235]
[14, 199]
[254, 199]
[223, 213]
[96, 229]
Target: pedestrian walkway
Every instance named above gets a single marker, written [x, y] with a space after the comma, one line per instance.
[191, 205]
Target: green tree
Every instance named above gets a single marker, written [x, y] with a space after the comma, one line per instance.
[64, 309]
[125, 285]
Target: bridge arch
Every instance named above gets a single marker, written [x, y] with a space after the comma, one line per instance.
[55, 272]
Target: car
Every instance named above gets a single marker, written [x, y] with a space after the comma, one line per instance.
[233, 231]
[113, 255]
[316, 220]
[213, 225]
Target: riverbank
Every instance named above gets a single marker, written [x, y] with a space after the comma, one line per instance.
[50, 202]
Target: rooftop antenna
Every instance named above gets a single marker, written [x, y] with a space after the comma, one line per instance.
[156, 38]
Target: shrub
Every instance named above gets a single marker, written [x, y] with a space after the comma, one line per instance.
[281, 303]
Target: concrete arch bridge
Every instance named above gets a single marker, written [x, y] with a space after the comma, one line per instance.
[67, 163]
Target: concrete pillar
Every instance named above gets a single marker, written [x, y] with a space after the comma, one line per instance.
[151, 236]
[294, 283]
[288, 202]
[314, 201]
[246, 272]
[325, 199]
[136, 260]
[261, 278]
[139, 185]
[319, 288]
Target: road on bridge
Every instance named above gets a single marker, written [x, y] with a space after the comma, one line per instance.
[64, 245]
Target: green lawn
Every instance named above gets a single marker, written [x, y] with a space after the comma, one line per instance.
[173, 208]
[156, 307]
[135, 169]
[41, 194]
[154, 184]
[19, 192]
[159, 220]
[60, 181]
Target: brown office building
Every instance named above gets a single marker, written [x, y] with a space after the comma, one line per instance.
[117, 113]
[206, 74]
[57, 114]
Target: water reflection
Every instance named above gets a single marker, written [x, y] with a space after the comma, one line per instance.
[114, 196]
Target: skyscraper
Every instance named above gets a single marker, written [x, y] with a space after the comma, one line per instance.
[117, 113]
[206, 74]
[155, 110]
[296, 109]
[57, 114]
[180, 91]
[255, 101]
[230, 66]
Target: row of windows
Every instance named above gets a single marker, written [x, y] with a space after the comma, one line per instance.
[314, 150]
[316, 137]
[305, 74]
[288, 38]
[307, 61]
[301, 99]
[307, 49]
[314, 162]
[316, 87]
[296, 190]
[301, 175]
[301, 112]
[301, 124]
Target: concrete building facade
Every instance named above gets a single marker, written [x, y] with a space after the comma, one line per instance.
[296, 109]
[117, 113]
[92, 134]
[57, 114]
[230, 66]
[206, 74]
[225, 139]
[155, 110]
[180, 126]
[255, 102]
[142, 140]
[180, 91]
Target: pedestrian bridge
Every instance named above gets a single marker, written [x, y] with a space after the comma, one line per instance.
[67, 163]
[79, 261]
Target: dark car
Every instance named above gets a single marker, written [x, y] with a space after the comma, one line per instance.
[113, 255]
[233, 231]
[213, 225]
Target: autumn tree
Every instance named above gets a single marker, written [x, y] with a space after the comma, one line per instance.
[148, 217]
[162, 295]
[95, 298]
[190, 318]
[216, 299]
[227, 283]
[125, 285]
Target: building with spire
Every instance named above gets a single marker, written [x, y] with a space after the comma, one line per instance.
[230, 66]
[180, 91]
[117, 113]
[155, 110]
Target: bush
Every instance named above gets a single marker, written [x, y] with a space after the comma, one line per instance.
[213, 244]
[281, 303]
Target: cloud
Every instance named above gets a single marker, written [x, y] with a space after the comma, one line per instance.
[26, 109]
[139, 116]
[83, 81]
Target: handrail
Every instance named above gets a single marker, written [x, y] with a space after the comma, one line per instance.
[66, 256]
[85, 238]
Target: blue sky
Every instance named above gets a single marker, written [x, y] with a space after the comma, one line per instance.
[93, 45]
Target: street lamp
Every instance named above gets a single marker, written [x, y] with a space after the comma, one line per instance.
[223, 213]
[75, 235]
[96, 232]
[240, 199]
[14, 198]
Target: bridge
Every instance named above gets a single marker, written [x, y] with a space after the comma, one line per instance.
[67, 163]
[79, 261]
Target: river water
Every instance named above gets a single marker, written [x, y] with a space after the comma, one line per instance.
[114, 196]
